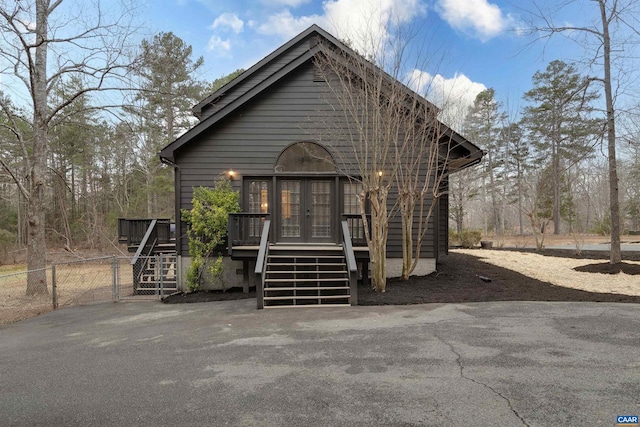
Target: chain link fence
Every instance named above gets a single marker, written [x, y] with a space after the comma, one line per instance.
[146, 276]
[88, 281]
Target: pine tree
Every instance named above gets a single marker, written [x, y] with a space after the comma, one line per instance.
[483, 125]
[168, 90]
[560, 123]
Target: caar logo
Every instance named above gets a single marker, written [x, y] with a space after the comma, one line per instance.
[627, 420]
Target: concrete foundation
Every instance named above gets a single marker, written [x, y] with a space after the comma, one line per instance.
[232, 275]
[425, 266]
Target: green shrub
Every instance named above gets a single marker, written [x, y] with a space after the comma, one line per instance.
[454, 238]
[470, 238]
[207, 229]
[603, 226]
[465, 239]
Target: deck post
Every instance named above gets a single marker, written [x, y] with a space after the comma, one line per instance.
[245, 276]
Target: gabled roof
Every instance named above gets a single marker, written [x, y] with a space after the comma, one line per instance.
[244, 94]
[211, 99]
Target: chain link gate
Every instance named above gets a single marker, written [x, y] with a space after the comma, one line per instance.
[153, 276]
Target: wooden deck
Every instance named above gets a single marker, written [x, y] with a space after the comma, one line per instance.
[250, 252]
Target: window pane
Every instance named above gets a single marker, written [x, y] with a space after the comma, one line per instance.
[321, 209]
[258, 199]
[351, 202]
[351, 191]
[290, 214]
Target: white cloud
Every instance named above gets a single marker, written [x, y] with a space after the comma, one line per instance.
[286, 25]
[362, 22]
[291, 3]
[219, 45]
[228, 20]
[454, 95]
[478, 17]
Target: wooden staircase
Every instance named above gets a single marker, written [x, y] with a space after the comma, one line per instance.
[306, 276]
[156, 274]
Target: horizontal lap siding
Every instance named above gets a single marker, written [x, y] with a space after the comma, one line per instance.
[443, 228]
[250, 139]
[259, 76]
[394, 240]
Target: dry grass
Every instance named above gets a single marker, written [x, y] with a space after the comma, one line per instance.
[14, 304]
[559, 271]
[76, 284]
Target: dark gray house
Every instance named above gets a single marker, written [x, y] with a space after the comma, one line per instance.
[299, 237]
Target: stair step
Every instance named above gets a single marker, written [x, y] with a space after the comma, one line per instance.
[306, 306]
[306, 271]
[304, 264]
[306, 297]
[318, 288]
[336, 279]
[323, 256]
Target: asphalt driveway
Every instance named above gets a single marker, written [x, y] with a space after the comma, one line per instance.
[225, 363]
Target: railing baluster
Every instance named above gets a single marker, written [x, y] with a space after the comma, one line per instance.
[245, 229]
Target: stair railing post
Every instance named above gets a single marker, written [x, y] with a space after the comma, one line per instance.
[159, 275]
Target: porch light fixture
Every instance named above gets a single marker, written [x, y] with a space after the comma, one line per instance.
[231, 173]
[379, 174]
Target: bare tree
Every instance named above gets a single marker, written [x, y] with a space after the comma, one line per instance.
[391, 141]
[362, 107]
[87, 44]
[615, 30]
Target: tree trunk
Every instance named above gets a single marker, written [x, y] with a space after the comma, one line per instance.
[615, 255]
[494, 202]
[460, 220]
[36, 245]
[556, 188]
[520, 195]
[378, 240]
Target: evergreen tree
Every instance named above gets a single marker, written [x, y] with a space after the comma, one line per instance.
[483, 125]
[560, 123]
[516, 165]
[168, 90]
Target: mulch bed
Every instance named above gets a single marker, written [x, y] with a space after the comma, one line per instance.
[206, 296]
[464, 278]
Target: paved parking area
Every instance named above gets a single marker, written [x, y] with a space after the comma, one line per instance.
[212, 364]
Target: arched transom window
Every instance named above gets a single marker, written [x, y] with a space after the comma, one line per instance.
[305, 157]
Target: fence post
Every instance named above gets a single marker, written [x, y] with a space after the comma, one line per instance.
[114, 277]
[54, 287]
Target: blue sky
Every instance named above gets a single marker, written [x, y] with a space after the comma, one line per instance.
[476, 44]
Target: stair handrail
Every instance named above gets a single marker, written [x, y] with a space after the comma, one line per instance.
[144, 241]
[261, 264]
[352, 266]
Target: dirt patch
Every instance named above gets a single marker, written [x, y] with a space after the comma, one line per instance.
[459, 279]
[608, 268]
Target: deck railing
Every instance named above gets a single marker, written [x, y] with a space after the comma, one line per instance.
[245, 229]
[261, 262]
[132, 231]
[356, 228]
[352, 267]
